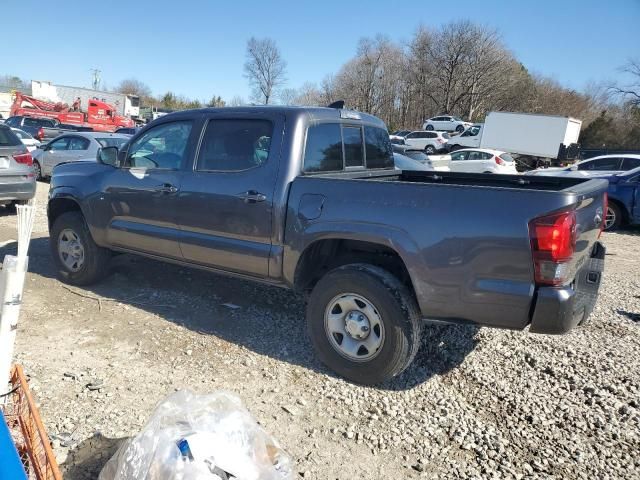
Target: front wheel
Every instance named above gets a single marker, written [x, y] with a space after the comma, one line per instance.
[37, 170]
[78, 260]
[429, 127]
[364, 323]
[430, 150]
[613, 219]
[460, 129]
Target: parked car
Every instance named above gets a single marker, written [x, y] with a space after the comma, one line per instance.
[470, 138]
[430, 142]
[28, 141]
[17, 181]
[400, 133]
[482, 160]
[446, 123]
[604, 163]
[72, 147]
[44, 129]
[309, 199]
[403, 162]
[432, 162]
[128, 130]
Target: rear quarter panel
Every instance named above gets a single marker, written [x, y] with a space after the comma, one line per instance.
[467, 249]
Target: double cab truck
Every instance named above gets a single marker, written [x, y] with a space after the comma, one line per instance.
[309, 199]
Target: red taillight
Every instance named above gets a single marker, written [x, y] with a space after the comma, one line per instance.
[553, 241]
[605, 207]
[40, 134]
[24, 158]
[499, 161]
[440, 140]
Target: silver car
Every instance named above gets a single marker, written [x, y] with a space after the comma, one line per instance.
[17, 180]
[72, 147]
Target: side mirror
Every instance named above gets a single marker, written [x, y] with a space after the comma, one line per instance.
[108, 156]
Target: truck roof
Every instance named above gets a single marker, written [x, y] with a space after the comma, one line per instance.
[535, 115]
[311, 113]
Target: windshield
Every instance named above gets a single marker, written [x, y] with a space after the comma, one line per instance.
[111, 141]
[506, 157]
[8, 138]
[22, 135]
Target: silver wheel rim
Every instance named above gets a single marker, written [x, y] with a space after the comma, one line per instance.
[70, 250]
[610, 219]
[354, 327]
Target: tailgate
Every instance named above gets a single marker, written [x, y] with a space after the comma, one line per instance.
[590, 216]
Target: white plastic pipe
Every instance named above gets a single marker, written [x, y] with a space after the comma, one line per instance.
[11, 286]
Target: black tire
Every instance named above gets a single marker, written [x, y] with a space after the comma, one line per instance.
[460, 128]
[615, 211]
[430, 150]
[429, 127]
[397, 309]
[37, 170]
[95, 264]
[453, 148]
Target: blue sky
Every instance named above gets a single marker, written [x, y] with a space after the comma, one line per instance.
[197, 48]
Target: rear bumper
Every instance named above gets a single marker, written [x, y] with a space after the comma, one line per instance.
[23, 190]
[558, 310]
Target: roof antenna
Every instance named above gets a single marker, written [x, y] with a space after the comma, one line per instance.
[339, 104]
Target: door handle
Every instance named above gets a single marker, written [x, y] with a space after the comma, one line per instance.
[166, 188]
[252, 196]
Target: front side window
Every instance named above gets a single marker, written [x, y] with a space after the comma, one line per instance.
[78, 143]
[460, 156]
[235, 145]
[323, 152]
[630, 163]
[612, 163]
[60, 144]
[353, 153]
[378, 148]
[162, 147]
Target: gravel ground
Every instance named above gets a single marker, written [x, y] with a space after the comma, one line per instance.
[477, 403]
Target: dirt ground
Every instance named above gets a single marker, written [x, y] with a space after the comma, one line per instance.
[158, 328]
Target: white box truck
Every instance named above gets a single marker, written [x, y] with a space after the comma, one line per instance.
[540, 137]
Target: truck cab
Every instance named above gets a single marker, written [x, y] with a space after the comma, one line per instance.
[470, 138]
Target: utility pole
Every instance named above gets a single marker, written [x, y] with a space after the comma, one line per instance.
[95, 83]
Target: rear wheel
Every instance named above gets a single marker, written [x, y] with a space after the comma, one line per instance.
[613, 219]
[429, 127]
[78, 260]
[453, 148]
[364, 323]
[430, 150]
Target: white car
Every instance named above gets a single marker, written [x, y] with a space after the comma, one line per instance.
[621, 162]
[482, 160]
[28, 141]
[430, 142]
[72, 147]
[403, 162]
[446, 123]
[470, 138]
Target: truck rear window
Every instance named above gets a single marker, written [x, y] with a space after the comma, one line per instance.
[331, 146]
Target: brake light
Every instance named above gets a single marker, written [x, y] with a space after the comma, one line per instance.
[440, 140]
[40, 134]
[499, 161]
[553, 242]
[605, 207]
[24, 158]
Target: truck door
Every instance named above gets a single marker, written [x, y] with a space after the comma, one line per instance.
[141, 197]
[54, 153]
[226, 201]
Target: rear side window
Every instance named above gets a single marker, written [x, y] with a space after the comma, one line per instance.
[353, 153]
[235, 145]
[8, 138]
[323, 152]
[378, 148]
[612, 163]
[37, 122]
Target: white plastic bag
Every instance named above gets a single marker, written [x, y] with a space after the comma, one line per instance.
[199, 437]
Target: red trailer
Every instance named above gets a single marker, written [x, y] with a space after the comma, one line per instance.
[99, 116]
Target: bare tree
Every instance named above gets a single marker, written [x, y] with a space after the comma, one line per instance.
[237, 101]
[630, 92]
[133, 86]
[287, 96]
[264, 68]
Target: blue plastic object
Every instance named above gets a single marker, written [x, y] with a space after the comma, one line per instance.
[10, 464]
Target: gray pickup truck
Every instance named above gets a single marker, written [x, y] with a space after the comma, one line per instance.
[308, 199]
[44, 129]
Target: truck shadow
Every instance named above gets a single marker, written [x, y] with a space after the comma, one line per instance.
[265, 319]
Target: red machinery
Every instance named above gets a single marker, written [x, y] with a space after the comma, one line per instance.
[99, 116]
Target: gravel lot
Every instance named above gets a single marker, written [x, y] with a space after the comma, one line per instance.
[477, 403]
